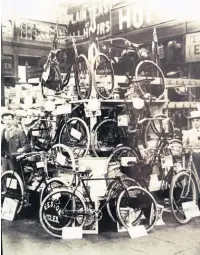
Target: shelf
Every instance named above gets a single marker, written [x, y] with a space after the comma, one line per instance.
[115, 101]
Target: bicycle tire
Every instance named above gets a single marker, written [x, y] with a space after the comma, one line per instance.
[60, 86]
[112, 76]
[149, 62]
[48, 227]
[21, 186]
[77, 78]
[172, 194]
[112, 188]
[151, 201]
[154, 128]
[87, 134]
[96, 132]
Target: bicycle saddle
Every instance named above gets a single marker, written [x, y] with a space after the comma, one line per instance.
[28, 125]
[56, 51]
[87, 171]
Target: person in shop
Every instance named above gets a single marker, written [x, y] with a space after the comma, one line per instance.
[13, 140]
[191, 138]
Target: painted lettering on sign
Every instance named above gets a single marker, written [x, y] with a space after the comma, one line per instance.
[51, 204]
[192, 48]
[7, 62]
[52, 218]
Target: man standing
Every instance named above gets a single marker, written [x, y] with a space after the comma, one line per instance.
[13, 140]
[192, 138]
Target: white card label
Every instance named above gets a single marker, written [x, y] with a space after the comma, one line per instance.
[137, 231]
[9, 209]
[61, 159]
[75, 133]
[167, 161]
[72, 233]
[40, 164]
[159, 221]
[11, 183]
[190, 209]
[122, 120]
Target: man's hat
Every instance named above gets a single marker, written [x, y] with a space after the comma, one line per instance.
[6, 112]
[194, 115]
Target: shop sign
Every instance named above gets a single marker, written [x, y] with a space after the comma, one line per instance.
[40, 31]
[137, 15]
[192, 47]
[8, 64]
[79, 20]
[34, 72]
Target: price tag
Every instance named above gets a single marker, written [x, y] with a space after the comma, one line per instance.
[122, 120]
[40, 164]
[9, 209]
[60, 159]
[154, 184]
[159, 221]
[72, 233]
[190, 209]
[137, 231]
[11, 183]
[126, 160]
[167, 161]
[93, 105]
[75, 133]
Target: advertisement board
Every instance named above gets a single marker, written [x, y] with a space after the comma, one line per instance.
[8, 65]
[192, 47]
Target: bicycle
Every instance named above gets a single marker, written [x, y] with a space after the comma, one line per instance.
[140, 126]
[66, 207]
[33, 166]
[144, 74]
[52, 77]
[185, 187]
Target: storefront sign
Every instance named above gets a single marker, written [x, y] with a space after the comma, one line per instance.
[34, 72]
[137, 15]
[8, 64]
[79, 20]
[192, 47]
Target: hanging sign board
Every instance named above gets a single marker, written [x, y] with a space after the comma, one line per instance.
[192, 47]
[8, 65]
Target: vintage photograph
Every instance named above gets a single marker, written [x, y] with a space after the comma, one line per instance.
[100, 127]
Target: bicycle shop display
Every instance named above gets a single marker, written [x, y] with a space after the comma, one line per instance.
[132, 140]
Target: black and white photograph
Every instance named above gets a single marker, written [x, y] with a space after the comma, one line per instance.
[100, 127]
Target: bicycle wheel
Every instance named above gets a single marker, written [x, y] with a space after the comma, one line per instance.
[114, 190]
[76, 135]
[155, 127]
[103, 76]
[60, 209]
[83, 77]
[54, 83]
[136, 206]
[52, 184]
[107, 136]
[12, 187]
[150, 79]
[182, 189]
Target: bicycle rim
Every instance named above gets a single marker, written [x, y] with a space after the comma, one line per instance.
[103, 76]
[12, 187]
[150, 79]
[60, 209]
[136, 206]
[182, 189]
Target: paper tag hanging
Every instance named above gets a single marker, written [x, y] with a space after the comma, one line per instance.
[159, 221]
[137, 231]
[11, 183]
[167, 161]
[72, 233]
[190, 209]
[9, 209]
[75, 133]
[122, 120]
[61, 159]
[40, 164]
